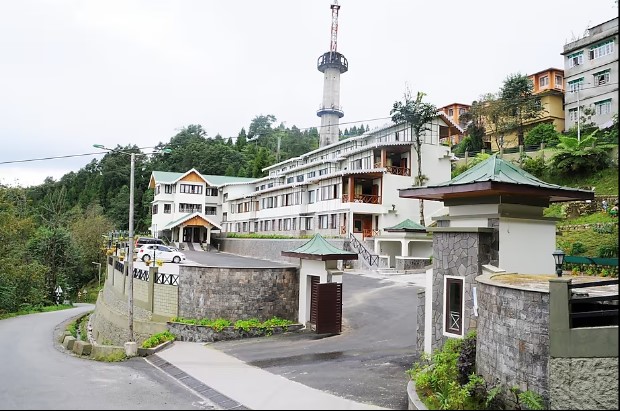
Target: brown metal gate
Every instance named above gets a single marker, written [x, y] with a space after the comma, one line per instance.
[325, 306]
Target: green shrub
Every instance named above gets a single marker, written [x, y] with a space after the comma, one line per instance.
[577, 248]
[157, 339]
[535, 166]
[608, 251]
[542, 133]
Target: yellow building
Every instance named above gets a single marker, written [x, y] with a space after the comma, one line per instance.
[454, 112]
[549, 86]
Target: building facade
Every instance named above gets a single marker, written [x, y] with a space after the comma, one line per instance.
[350, 186]
[591, 70]
[454, 112]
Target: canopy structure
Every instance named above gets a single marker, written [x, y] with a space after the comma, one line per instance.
[319, 249]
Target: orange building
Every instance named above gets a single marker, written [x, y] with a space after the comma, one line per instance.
[454, 112]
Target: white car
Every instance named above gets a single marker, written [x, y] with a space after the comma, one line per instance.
[161, 252]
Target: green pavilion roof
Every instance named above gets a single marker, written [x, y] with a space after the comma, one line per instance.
[406, 225]
[496, 177]
[319, 249]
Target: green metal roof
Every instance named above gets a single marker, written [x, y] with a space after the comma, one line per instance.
[168, 177]
[496, 177]
[498, 170]
[319, 249]
[406, 225]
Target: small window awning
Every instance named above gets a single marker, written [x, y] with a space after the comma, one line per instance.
[319, 249]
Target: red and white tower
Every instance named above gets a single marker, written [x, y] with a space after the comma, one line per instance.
[332, 64]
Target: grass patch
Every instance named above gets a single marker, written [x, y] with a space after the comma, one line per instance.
[605, 182]
[220, 323]
[114, 356]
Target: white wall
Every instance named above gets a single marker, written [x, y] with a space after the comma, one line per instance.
[526, 246]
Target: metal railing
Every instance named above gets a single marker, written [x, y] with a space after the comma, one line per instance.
[166, 279]
[586, 311]
[354, 245]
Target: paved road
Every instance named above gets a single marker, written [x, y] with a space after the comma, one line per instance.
[366, 363]
[36, 374]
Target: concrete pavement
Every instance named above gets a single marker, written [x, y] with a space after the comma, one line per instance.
[236, 385]
[229, 383]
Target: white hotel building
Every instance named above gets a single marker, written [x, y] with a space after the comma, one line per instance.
[348, 187]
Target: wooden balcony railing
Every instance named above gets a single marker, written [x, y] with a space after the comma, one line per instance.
[399, 171]
[368, 232]
[362, 198]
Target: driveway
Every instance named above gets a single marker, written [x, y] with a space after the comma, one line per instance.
[366, 363]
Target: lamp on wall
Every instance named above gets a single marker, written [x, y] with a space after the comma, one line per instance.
[558, 256]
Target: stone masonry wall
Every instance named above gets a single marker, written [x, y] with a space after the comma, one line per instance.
[239, 293]
[420, 324]
[583, 383]
[462, 255]
[513, 337]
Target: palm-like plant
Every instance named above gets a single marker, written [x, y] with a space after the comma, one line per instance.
[580, 157]
[418, 116]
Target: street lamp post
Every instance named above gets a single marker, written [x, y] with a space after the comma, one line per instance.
[130, 235]
[99, 275]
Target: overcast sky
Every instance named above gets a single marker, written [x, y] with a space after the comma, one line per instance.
[77, 73]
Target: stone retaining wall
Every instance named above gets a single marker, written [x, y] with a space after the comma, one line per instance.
[513, 337]
[239, 293]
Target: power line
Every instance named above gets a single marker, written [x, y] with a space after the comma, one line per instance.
[65, 156]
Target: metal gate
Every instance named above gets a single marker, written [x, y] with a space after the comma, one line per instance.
[326, 307]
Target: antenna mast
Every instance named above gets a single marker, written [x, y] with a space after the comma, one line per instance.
[334, 36]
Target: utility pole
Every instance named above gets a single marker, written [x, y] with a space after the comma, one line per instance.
[130, 251]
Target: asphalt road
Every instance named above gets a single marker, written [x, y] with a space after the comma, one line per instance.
[37, 374]
[366, 363]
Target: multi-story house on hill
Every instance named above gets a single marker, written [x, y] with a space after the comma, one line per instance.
[350, 186]
[454, 112]
[591, 70]
[548, 85]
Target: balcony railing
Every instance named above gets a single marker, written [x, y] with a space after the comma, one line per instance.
[369, 232]
[362, 198]
[399, 171]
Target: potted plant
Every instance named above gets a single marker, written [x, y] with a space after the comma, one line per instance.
[159, 262]
[147, 262]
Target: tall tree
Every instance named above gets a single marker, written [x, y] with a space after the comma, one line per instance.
[521, 105]
[418, 115]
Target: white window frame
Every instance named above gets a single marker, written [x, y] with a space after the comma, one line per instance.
[445, 296]
[572, 114]
[575, 59]
[601, 50]
[601, 75]
[559, 82]
[575, 85]
[603, 107]
[543, 81]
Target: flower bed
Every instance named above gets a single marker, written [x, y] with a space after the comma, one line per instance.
[185, 331]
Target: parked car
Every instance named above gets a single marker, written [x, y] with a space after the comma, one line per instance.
[161, 252]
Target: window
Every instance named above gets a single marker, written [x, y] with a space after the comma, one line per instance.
[572, 114]
[154, 208]
[190, 208]
[311, 174]
[287, 224]
[450, 112]
[300, 178]
[311, 196]
[559, 82]
[308, 223]
[323, 221]
[602, 107]
[601, 50]
[224, 216]
[575, 59]
[167, 208]
[211, 191]
[357, 226]
[322, 171]
[333, 221]
[462, 111]
[575, 85]
[453, 305]
[543, 81]
[601, 78]
[169, 188]
[210, 210]
[157, 189]
[191, 189]
[289, 180]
